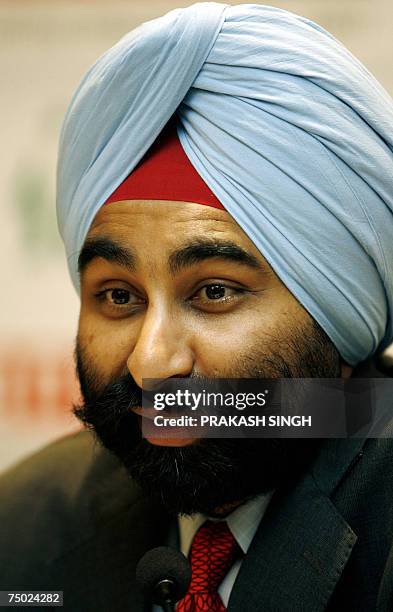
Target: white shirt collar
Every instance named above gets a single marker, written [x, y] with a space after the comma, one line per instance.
[243, 523]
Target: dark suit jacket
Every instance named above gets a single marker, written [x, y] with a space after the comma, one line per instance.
[72, 520]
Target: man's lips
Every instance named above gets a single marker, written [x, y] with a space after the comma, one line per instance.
[160, 436]
[148, 413]
[151, 413]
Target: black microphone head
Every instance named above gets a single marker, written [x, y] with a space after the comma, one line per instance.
[163, 563]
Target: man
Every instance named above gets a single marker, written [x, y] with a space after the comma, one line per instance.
[225, 199]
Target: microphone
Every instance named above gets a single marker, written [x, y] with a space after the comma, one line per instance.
[163, 575]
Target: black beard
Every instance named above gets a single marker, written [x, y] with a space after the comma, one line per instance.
[211, 473]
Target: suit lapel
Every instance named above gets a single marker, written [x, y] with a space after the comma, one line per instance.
[302, 544]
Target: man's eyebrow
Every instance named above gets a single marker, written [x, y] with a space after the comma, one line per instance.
[106, 249]
[193, 253]
[202, 250]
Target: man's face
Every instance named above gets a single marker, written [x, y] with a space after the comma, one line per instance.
[172, 289]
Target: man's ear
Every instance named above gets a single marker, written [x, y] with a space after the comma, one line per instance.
[346, 370]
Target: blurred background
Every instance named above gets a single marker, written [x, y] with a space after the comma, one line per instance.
[45, 48]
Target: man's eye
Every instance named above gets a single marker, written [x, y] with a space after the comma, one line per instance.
[216, 292]
[119, 303]
[118, 296]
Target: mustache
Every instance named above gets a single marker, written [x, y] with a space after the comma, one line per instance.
[112, 404]
[115, 401]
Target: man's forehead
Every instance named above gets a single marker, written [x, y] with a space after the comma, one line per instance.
[121, 218]
[178, 234]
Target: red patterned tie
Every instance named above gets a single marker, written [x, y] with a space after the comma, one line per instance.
[213, 552]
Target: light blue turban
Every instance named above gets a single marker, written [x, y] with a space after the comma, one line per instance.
[291, 133]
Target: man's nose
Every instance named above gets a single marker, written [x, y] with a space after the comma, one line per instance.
[162, 350]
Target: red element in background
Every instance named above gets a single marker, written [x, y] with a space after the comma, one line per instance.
[165, 173]
[32, 386]
[36, 386]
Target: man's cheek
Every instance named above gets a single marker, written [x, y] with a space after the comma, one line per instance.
[219, 346]
[214, 354]
[106, 354]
